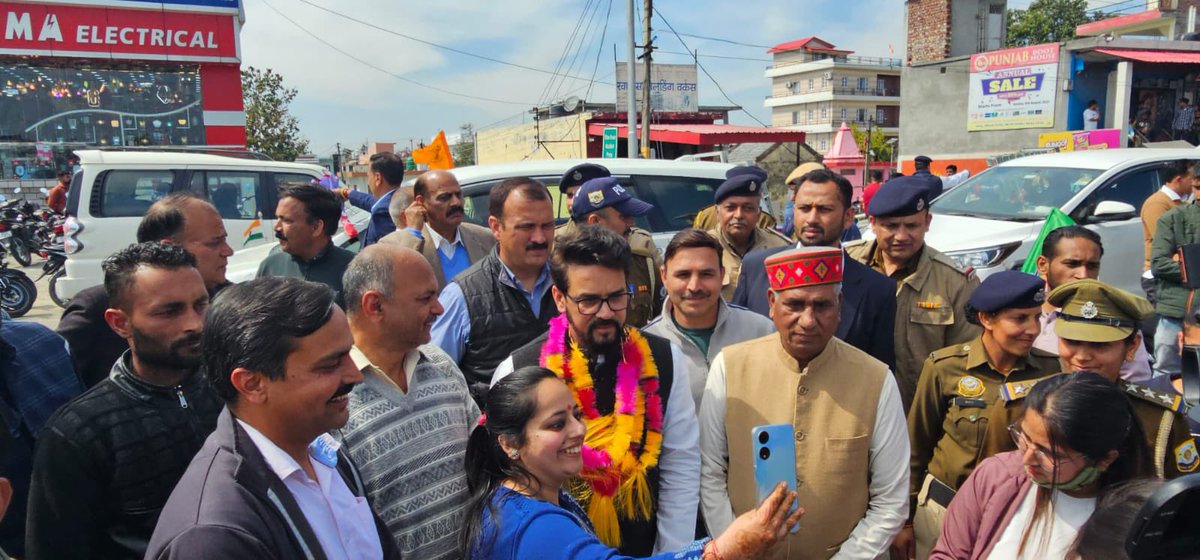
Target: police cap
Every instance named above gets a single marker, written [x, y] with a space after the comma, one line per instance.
[604, 192]
[740, 185]
[754, 170]
[1093, 311]
[900, 196]
[581, 174]
[1008, 289]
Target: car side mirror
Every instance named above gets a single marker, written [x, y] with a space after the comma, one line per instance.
[1110, 210]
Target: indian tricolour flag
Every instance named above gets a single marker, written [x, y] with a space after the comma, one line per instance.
[251, 235]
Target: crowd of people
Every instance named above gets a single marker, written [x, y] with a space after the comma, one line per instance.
[523, 390]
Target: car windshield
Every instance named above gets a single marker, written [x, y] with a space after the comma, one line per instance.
[1015, 193]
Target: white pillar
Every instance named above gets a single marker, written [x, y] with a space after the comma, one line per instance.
[1120, 94]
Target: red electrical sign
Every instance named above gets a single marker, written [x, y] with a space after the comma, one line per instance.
[118, 33]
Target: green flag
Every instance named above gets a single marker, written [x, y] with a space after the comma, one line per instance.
[1054, 220]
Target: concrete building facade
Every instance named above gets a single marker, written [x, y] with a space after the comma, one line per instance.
[815, 87]
[941, 29]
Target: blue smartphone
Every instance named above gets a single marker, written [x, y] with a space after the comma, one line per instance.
[774, 460]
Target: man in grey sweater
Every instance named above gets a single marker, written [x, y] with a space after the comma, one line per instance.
[694, 316]
[411, 416]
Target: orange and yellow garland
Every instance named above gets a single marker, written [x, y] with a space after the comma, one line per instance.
[620, 447]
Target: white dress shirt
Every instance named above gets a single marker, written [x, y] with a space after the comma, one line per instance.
[887, 507]
[447, 247]
[679, 460]
[342, 522]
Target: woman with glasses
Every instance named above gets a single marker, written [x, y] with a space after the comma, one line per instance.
[967, 395]
[1030, 503]
[1097, 332]
[528, 446]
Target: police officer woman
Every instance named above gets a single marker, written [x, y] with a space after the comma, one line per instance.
[967, 396]
[1097, 331]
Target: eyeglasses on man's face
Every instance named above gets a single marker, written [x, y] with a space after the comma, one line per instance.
[590, 305]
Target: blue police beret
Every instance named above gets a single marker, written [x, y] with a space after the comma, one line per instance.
[747, 170]
[1008, 289]
[900, 196]
[740, 185]
[581, 174]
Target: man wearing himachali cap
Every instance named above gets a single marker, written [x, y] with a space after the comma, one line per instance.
[851, 442]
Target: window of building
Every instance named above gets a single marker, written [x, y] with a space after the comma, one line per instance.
[810, 115]
[795, 117]
[843, 113]
[127, 106]
[880, 115]
[810, 85]
[881, 86]
[824, 144]
[861, 115]
[845, 82]
[794, 88]
[862, 84]
[824, 113]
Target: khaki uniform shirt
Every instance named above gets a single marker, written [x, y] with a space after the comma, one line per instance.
[931, 292]
[1172, 448]
[731, 259]
[706, 219]
[963, 407]
[644, 279]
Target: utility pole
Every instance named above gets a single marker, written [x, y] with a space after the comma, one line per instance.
[631, 99]
[867, 169]
[647, 57]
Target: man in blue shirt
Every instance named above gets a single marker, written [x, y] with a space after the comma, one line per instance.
[36, 377]
[503, 301]
[384, 176]
[434, 227]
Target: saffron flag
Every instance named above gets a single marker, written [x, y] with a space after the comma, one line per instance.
[1054, 220]
[437, 155]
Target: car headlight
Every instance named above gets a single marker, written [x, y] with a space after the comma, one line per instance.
[983, 258]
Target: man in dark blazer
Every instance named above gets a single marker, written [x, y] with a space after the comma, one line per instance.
[435, 227]
[270, 482]
[822, 211]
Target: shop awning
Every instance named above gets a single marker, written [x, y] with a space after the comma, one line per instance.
[705, 134]
[1176, 57]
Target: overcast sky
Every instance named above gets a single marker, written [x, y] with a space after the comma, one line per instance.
[344, 100]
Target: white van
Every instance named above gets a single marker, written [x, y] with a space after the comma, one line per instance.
[113, 190]
[991, 221]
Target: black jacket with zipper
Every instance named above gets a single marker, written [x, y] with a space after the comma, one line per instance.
[107, 461]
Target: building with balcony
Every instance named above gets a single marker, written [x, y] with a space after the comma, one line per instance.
[815, 87]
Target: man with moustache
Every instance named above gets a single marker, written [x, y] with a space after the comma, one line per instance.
[633, 389]
[270, 482]
[695, 316]
[851, 445]
[435, 228]
[183, 219]
[306, 218]
[411, 417]
[930, 288]
[502, 301]
[107, 461]
[738, 210]
[1072, 253]
[822, 210]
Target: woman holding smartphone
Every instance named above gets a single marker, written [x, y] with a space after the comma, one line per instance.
[527, 446]
[1077, 437]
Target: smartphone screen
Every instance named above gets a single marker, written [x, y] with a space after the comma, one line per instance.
[774, 460]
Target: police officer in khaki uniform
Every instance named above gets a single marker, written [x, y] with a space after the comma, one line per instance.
[931, 290]
[1098, 331]
[604, 202]
[968, 395]
[574, 178]
[738, 210]
[706, 218]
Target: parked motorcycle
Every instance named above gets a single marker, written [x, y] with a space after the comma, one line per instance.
[17, 231]
[17, 291]
[55, 267]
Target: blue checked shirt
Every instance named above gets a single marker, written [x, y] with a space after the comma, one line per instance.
[37, 375]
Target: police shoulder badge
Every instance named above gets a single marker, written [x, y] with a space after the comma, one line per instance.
[1186, 457]
[970, 387]
[596, 197]
[1088, 310]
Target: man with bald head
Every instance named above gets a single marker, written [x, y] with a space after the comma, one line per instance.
[435, 227]
[411, 416]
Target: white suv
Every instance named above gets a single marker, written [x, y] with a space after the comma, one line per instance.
[113, 190]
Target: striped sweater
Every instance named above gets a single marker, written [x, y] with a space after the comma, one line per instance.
[410, 450]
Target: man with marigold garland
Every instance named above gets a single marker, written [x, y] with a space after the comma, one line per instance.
[642, 447]
[851, 440]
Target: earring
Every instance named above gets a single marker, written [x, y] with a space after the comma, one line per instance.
[513, 454]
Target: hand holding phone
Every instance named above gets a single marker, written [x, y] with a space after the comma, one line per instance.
[774, 460]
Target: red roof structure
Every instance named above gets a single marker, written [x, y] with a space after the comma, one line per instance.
[808, 44]
[1099, 27]
[705, 134]
[1169, 57]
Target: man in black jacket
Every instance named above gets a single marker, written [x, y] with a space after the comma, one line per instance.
[271, 482]
[106, 461]
[822, 211]
[183, 219]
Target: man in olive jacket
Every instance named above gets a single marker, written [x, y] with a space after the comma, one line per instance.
[1176, 227]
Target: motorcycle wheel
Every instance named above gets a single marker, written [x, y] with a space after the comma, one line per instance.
[17, 299]
[59, 301]
[20, 251]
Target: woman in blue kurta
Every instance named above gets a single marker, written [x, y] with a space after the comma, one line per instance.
[528, 445]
